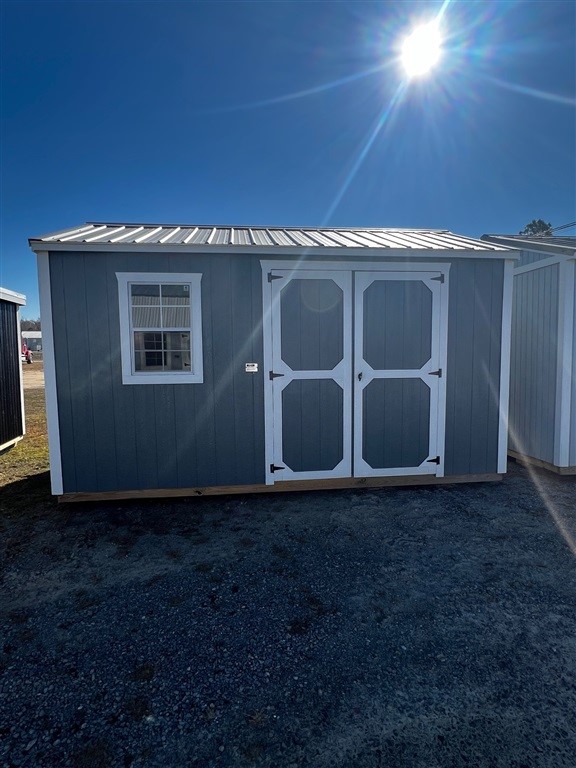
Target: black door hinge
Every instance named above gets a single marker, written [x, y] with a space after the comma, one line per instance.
[273, 375]
[435, 460]
[436, 373]
[440, 278]
[274, 468]
[274, 277]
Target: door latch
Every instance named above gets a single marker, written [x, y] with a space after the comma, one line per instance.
[360, 376]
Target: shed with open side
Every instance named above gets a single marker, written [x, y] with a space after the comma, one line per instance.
[543, 352]
[185, 360]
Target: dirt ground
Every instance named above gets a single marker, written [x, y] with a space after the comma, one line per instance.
[427, 627]
[33, 375]
[411, 628]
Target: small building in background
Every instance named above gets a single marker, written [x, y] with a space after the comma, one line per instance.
[33, 340]
[543, 351]
[12, 426]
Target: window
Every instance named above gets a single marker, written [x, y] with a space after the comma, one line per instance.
[161, 328]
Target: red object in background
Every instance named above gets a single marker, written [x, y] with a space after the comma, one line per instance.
[26, 354]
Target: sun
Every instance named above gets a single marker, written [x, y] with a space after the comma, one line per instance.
[421, 50]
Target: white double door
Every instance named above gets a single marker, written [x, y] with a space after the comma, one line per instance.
[356, 372]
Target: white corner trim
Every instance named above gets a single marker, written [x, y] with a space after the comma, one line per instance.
[566, 276]
[21, 375]
[196, 376]
[505, 342]
[50, 373]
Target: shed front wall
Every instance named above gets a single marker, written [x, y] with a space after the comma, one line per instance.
[11, 422]
[128, 437]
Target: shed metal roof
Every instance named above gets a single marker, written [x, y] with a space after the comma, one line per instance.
[12, 297]
[174, 237]
[554, 244]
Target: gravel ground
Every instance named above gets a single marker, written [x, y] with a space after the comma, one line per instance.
[418, 628]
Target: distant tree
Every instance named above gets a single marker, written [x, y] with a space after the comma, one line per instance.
[31, 325]
[537, 227]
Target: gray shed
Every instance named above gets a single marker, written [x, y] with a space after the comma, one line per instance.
[12, 425]
[543, 362]
[187, 360]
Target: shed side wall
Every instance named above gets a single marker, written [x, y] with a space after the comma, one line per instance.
[126, 437]
[534, 363]
[11, 425]
[529, 257]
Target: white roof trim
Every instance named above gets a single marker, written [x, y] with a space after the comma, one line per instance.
[12, 296]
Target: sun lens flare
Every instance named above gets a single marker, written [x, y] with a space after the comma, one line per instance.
[421, 50]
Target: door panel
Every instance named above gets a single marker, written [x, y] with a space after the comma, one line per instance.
[396, 423]
[311, 324]
[395, 335]
[312, 374]
[312, 412]
[397, 362]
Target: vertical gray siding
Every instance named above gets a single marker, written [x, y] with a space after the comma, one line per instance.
[473, 376]
[534, 362]
[529, 257]
[125, 437]
[11, 425]
[122, 437]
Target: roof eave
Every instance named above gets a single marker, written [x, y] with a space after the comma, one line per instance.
[503, 252]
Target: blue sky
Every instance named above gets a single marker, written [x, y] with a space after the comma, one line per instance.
[281, 113]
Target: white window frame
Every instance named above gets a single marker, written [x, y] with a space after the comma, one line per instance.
[129, 374]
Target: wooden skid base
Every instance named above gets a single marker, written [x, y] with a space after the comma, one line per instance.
[531, 461]
[285, 485]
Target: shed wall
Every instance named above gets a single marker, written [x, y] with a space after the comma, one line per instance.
[11, 425]
[125, 437]
[534, 359]
[530, 257]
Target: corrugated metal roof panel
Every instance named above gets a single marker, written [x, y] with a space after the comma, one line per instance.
[562, 244]
[275, 237]
[242, 237]
[261, 237]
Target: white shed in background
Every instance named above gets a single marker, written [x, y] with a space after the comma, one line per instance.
[542, 425]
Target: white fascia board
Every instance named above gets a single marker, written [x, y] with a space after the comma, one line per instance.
[50, 391]
[12, 297]
[319, 251]
[566, 280]
[505, 343]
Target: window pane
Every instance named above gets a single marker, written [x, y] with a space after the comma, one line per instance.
[148, 361]
[175, 294]
[176, 317]
[143, 341]
[145, 294]
[146, 317]
[177, 340]
[177, 351]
